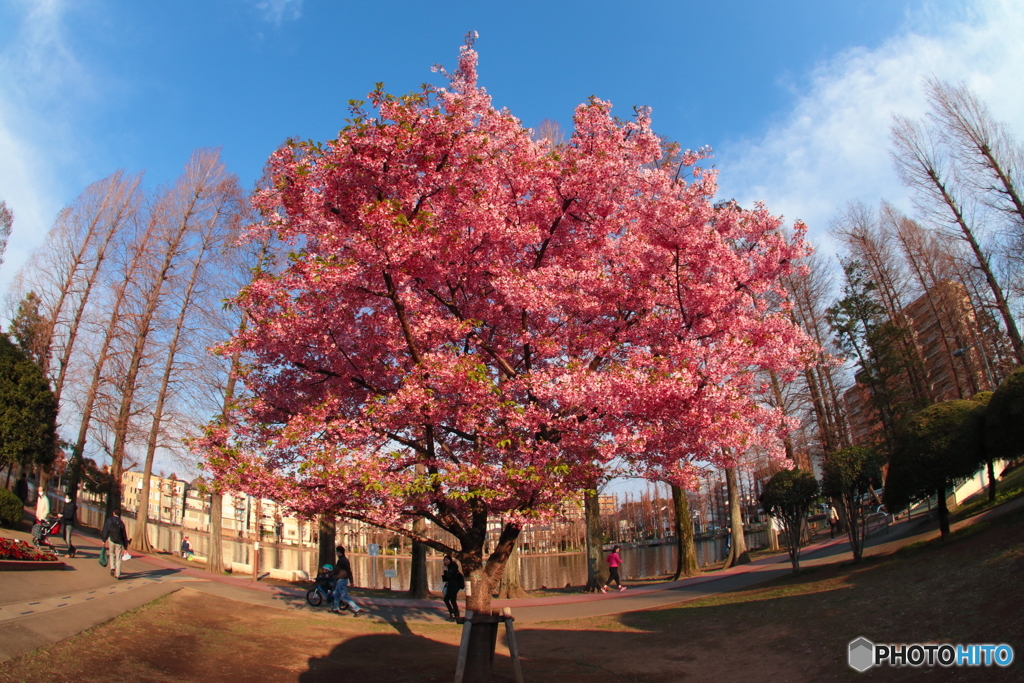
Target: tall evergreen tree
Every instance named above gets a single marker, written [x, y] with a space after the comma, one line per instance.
[878, 345]
[28, 410]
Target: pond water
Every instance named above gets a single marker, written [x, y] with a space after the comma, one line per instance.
[537, 571]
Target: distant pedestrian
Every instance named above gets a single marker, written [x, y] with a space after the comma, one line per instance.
[21, 488]
[614, 562]
[115, 539]
[833, 521]
[454, 581]
[67, 521]
[343, 577]
[186, 548]
[42, 505]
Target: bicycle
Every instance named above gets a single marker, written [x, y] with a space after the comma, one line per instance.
[316, 595]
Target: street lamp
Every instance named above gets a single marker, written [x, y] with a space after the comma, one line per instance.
[961, 352]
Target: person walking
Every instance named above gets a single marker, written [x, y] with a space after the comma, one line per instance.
[342, 577]
[833, 521]
[21, 488]
[454, 581]
[614, 562]
[115, 539]
[42, 505]
[67, 522]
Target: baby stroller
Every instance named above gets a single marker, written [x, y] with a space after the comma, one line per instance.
[43, 528]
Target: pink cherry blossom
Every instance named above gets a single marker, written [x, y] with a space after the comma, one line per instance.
[474, 323]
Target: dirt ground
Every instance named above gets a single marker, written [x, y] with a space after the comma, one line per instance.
[791, 630]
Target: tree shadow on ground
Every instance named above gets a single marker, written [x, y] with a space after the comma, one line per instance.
[795, 628]
[392, 611]
[386, 657]
[128, 573]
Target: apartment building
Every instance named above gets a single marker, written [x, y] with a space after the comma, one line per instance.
[959, 356]
[166, 496]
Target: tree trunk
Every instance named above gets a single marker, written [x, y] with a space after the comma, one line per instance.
[596, 574]
[99, 365]
[194, 203]
[803, 461]
[485, 577]
[851, 505]
[686, 557]
[327, 540]
[511, 585]
[991, 480]
[142, 517]
[738, 552]
[793, 526]
[419, 587]
[140, 538]
[215, 559]
[943, 514]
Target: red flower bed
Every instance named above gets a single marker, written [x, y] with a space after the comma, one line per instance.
[11, 549]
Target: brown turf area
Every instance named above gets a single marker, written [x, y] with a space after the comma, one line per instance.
[794, 629]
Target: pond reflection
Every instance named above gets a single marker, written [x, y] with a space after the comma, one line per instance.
[555, 570]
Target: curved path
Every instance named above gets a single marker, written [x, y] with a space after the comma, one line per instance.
[42, 607]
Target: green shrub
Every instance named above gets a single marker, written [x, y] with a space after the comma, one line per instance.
[941, 445]
[788, 496]
[10, 509]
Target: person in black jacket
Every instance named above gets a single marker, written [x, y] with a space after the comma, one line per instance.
[115, 539]
[67, 522]
[342, 576]
[21, 489]
[453, 583]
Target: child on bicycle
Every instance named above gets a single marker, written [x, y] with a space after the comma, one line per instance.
[325, 579]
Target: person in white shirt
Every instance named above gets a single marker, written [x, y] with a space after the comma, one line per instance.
[42, 505]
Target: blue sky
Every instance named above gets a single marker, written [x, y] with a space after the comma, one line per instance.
[794, 97]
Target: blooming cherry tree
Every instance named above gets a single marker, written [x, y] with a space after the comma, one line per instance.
[473, 323]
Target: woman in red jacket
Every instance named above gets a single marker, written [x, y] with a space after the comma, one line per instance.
[614, 562]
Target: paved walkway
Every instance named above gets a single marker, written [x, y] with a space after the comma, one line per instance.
[42, 607]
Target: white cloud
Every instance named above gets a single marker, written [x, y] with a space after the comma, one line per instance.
[276, 11]
[833, 145]
[41, 83]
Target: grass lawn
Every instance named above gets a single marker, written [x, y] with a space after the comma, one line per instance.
[1007, 488]
[792, 629]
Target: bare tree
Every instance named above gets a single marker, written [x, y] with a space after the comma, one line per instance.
[989, 158]
[6, 223]
[240, 268]
[175, 217]
[810, 295]
[64, 272]
[931, 268]
[924, 165]
[131, 260]
[550, 130]
[868, 242]
[214, 234]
